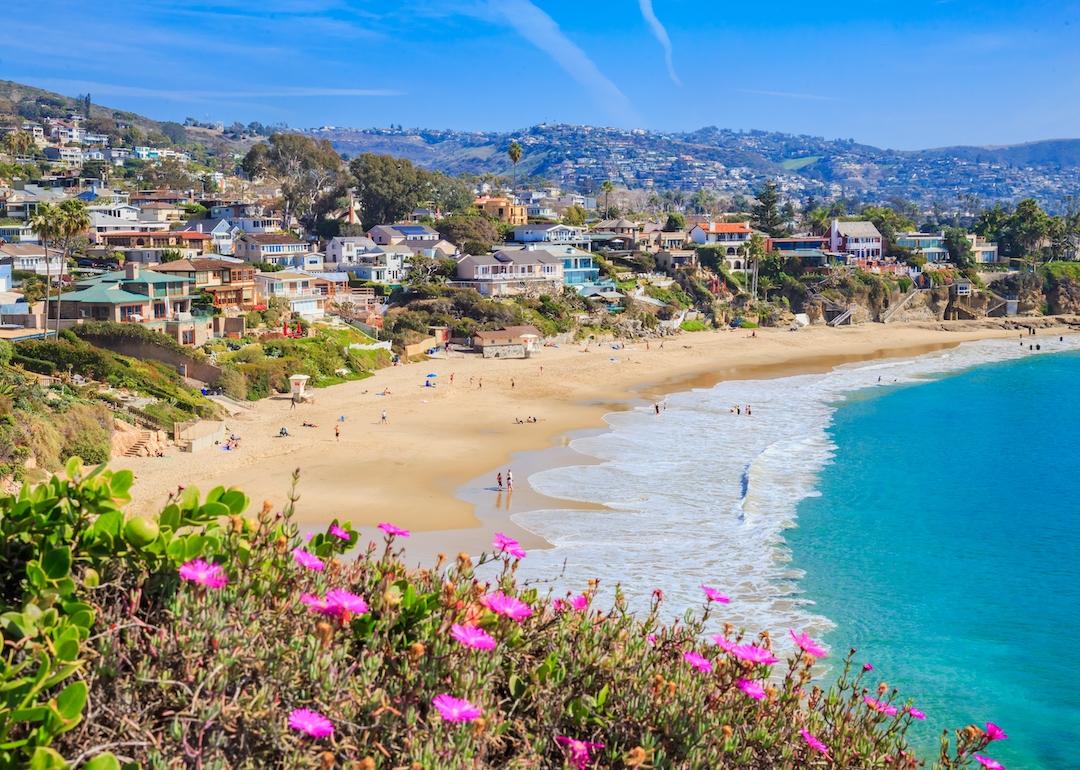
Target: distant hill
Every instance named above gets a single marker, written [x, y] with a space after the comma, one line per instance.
[735, 162]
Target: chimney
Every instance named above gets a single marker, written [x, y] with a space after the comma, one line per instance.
[131, 270]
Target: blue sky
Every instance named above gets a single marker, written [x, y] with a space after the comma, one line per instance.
[921, 73]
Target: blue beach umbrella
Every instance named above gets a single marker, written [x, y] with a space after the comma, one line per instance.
[432, 376]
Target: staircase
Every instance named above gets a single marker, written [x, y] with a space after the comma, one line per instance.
[231, 405]
[846, 315]
[896, 308]
[135, 450]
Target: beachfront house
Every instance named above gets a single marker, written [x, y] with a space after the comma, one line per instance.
[798, 243]
[230, 284]
[297, 288]
[860, 240]
[278, 249]
[31, 258]
[983, 251]
[730, 236]
[511, 272]
[929, 245]
[162, 241]
[509, 342]
[560, 234]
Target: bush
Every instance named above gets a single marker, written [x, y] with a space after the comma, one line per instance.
[218, 661]
[694, 326]
[38, 365]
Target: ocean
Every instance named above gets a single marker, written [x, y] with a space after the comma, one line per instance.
[916, 509]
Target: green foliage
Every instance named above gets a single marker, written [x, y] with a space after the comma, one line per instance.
[676, 222]
[695, 326]
[767, 215]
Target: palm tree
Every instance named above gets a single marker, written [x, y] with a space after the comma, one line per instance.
[74, 220]
[514, 151]
[607, 187]
[46, 223]
[19, 142]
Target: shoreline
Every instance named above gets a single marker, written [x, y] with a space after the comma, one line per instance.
[427, 469]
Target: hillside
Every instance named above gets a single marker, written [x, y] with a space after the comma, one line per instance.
[734, 162]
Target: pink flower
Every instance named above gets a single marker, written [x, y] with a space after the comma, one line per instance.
[724, 643]
[311, 723]
[915, 713]
[989, 764]
[508, 545]
[507, 606]
[752, 654]
[650, 638]
[867, 667]
[317, 604]
[808, 645]
[474, 637]
[558, 605]
[714, 596]
[752, 688]
[346, 602]
[995, 733]
[700, 662]
[455, 709]
[880, 706]
[813, 742]
[339, 533]
[305, 559]
[204, 573]
[579, 751]
[392, 530]
[579, 603]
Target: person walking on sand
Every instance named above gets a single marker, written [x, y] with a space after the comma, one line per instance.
[498, 480]
[509, 480]
[511, 383]
[384, 417]
[337, 431]
[451, 378]
[656, 406]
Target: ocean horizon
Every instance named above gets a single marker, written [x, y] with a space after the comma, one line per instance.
[876, 506]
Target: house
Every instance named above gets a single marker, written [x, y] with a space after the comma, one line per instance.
[798, 243]
[508, 272]
[169, 239]
[106, 223]
[730, 236]
[504, 210]
[143, 197]
[124, 211]
[860, 240]
[542, 233]
[31, 258]
[391, 235]
[22, 203]
[17, 232]
[298, 288]
[386, 265]
[272, 248]
[665, 240]
[541, 210]
[231, 284]
[344, 250]
[248, 217]
[222, 233]
[133, 295]
[161, 212]
[982, 250]
[510, 342]
[71, 157]
[930, 245]
[670, 260]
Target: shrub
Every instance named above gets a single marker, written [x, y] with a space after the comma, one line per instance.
[207, 665]
[37, 365]
[694, 326]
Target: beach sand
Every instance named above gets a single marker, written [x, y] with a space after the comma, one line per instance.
[431, 467]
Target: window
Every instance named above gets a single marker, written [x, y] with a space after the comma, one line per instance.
[128, 312]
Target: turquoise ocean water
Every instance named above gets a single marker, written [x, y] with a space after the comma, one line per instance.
[945, 546]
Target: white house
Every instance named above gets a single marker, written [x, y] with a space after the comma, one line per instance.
[344, 250]
[548, 234]
[298, 288]
[507, 273]
[731, 235]
[856, 239]
[106, 223]
[30, 257]
[982, 250]
[276, 248]
[386, 235]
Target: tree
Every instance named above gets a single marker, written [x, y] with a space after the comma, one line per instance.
[46, 221]
[86, 106]
[607, 188]
[676, 222]
[766, 212]
[18, 142]
[74, 220]
[703, 201]
[449, 194]
[575, 216]
[388, 188]
[171, 255]
[307, 170]
[1028, 225]
[960, 250]
[467, 231]
[889, 222]
[514, 151]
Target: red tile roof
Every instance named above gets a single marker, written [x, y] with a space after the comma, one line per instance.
[725, 227]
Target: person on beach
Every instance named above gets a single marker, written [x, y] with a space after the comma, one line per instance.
[292, 405]
[498, 480]
[509, 480]
[541, 370]
[748, 412]
[656, 406]
[337, 431]
[480, 384]
[385, 419]
[511, 383]
[451, 378]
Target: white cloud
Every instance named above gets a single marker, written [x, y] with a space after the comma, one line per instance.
[542, 31]
[661, 35]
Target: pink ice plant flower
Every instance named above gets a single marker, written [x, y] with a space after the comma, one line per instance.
[808, 645]
[204, 573]
[700, 662]
[989, 764]
[916, 713]
[880, 706]
[752, 654]
[714, 596]
[650, 638]
[309, 560]
[392, 530]
[346, 601]
[317, 604]
[471, 636]
[339, 533]
[311, 723]
[724, 643]
[508, 545]
[579, 603]
[507, 606]
[580, 751]
[813, 742]
[995, 733]
[455, 709]
[752, 689]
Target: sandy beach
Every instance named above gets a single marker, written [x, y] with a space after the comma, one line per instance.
[431, 466]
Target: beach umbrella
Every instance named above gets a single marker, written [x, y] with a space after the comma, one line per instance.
[432, 375]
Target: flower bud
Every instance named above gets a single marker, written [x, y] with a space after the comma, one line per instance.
[367, 763]
[728, 731]
[326, 760]
[324, 632]
[635, 757]
[464, 560]
[882, 688]
[416, 651]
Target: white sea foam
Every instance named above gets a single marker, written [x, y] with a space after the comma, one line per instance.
[701, 495]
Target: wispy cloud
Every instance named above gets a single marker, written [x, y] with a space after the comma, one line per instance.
[537, 27]
[789, 95]
[661, 35]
